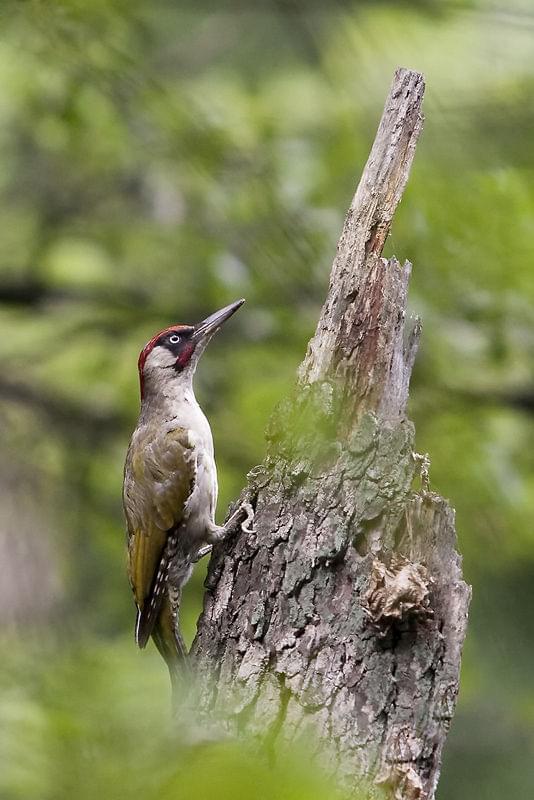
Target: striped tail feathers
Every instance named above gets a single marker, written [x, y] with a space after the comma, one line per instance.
[168, 639]
[171, 646]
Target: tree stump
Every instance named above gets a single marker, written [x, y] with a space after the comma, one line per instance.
[343, 615]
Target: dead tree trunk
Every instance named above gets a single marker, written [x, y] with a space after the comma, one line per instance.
[345, 612]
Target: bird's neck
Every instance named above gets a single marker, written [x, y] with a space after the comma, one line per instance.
[172, 400]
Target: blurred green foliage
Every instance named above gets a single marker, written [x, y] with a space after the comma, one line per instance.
[85, 729]
[158, 161]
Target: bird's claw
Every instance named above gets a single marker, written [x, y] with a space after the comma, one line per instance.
[247, 526]
[219, 533]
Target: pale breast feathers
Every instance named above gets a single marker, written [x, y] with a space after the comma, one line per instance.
[160, 475]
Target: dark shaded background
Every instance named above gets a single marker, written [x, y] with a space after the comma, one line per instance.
[158, 160]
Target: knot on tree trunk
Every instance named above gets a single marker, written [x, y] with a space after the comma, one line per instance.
[398, 592]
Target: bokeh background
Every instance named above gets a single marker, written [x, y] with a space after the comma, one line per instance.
[158, 160]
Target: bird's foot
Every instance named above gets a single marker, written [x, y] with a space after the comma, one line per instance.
[247, 526]
[220, 532]
[203, 551]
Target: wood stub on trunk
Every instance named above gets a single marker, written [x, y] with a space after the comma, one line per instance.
[342, 616]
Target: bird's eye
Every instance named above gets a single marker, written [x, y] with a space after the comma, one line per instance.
[174, 339]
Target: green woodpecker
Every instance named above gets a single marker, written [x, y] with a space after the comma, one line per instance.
[170, 484]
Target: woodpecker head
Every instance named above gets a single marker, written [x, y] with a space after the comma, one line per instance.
[173, 353]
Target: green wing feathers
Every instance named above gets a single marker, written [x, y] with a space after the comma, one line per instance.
[159, 477]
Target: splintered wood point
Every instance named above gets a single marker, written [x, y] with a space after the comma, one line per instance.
[360, 334]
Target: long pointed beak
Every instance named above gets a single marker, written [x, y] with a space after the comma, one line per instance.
[212, 323]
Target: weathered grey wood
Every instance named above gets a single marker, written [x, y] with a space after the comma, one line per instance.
[344, 614]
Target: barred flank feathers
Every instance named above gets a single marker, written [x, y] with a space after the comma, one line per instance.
[148, 614]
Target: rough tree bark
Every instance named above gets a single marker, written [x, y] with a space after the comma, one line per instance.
[345, 612]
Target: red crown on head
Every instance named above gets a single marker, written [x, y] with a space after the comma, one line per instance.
[149, 346]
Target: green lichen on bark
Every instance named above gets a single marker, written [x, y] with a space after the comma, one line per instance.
[294, 606]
